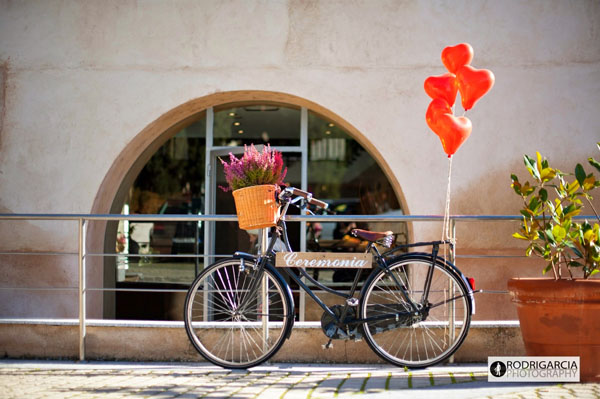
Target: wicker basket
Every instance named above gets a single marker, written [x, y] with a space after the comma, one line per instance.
[256, 206]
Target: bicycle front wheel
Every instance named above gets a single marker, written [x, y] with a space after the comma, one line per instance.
[233, 325]
[433, 334]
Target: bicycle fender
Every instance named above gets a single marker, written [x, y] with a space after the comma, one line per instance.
[245, 256]
[451, 267]
[465, 281]
[288, 292]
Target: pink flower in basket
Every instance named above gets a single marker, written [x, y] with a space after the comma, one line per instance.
[254, 168]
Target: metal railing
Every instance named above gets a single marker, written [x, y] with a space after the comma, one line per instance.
[83, 220]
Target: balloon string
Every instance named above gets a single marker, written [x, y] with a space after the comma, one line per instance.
[446, 226]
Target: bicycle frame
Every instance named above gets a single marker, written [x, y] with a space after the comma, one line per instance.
[280, 233]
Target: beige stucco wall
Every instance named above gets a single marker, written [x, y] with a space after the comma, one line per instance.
[79, 80]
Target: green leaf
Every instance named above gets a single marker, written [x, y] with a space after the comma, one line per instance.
[580, 174]
[574, 263]
[531, 165]
[526, 189]
[594, 272]
[534, 204]
[558, 210]
[559, 233]
[515, 184]
[543, 194]
[589, 183]
[547, 174]
[527, 214]
[547, 268]
[594, 163]
[539, 250]
[519, 236]
[573, 187]
[571, 210]
[576, 251]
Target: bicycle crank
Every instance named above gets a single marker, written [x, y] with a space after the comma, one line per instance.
[333, 331]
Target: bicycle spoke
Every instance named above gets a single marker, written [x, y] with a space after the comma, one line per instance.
[228, 290]
[222, 342]
[251, 278]
[251, 341]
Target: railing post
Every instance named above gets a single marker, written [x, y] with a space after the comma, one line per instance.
[265, 290]
[451, 287]
[82, 289]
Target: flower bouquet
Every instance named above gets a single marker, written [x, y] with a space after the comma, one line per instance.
[255, 179]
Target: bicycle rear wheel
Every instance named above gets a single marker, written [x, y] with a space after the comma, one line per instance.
[232, 325]
[411, 340]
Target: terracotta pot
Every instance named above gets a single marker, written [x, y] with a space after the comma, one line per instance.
[560, 318]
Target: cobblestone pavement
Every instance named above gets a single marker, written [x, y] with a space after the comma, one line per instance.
[63, 379]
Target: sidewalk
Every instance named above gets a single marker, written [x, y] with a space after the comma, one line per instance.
[68, 379]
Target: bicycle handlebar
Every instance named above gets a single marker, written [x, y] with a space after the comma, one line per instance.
[306, 195]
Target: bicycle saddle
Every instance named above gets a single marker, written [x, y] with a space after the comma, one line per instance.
[371, 236]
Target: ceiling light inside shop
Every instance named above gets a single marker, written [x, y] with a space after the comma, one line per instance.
[232, 114]
[331, 125]
[236, 123]
[240, 131]
[327, 131]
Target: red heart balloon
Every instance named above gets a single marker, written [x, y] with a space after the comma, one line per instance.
[473, 84]
[456, 56]
[453, 132]
[442, 86]
[436, 108]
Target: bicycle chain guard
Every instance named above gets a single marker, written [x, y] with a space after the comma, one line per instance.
[404, 320]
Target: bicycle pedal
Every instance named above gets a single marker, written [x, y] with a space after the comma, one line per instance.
[328, 345]
[352, 302]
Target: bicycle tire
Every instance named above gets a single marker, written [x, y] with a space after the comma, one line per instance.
[224, 333]
[402, 341]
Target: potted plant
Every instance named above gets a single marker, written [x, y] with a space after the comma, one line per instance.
[559, 316]
[255, 179]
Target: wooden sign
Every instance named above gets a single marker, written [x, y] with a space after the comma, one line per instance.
[325, 260]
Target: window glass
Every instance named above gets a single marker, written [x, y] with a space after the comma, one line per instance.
[171, 182]
[339, 171]
[343, 173]
[257, 124]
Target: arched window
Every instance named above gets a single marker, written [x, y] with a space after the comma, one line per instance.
[184, 175]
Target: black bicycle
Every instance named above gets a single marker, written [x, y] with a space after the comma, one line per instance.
[413, 310]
